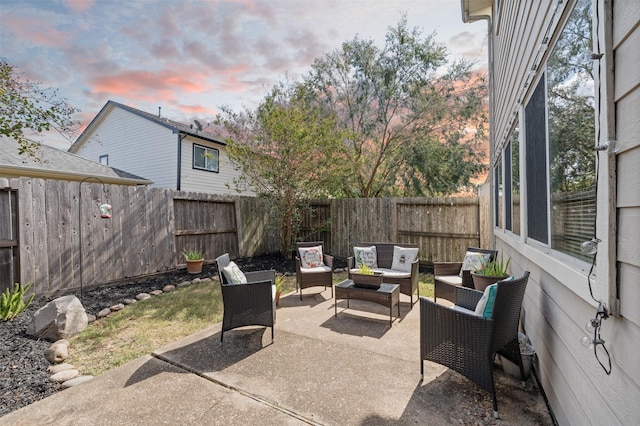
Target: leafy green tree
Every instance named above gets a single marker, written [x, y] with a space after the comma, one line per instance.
[415, 127]
[24, 105]
[288, 150]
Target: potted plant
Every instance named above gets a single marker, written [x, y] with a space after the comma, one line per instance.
[279, 286]
[366, 277]
[194, 260]
[490, 272]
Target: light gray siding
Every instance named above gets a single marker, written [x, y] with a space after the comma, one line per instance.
[135, 145]
[196, 180]
[557, 306]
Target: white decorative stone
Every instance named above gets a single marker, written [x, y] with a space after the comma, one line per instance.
[184, 284]
[78, 380]
[156, 292]
[63, 317]
[205, 280]
[57, 353]
[143, 296]
[63, 376]
[195, 281]
[91, 318]
[103, 313]
[116, 308]
[129, 301]
[169, 288]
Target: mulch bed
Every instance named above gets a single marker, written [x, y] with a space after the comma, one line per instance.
[23, 366]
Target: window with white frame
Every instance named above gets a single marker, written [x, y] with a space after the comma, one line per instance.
[205, 158]
[559, 135]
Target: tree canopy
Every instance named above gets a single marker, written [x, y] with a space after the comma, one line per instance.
[415, 128]
[288, 150]
[25, 106]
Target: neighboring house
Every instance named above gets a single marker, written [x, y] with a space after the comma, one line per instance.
[565, 78]
[172, 154]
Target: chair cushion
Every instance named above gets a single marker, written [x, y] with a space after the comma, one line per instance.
[366, 256]
[317, 269]
[450, 279]
[473, 260]
[234, 274]
[390, 273]
[403, 257]
[311, 257]
[485, 304]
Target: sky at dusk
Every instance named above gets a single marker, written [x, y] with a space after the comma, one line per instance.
[190, 57]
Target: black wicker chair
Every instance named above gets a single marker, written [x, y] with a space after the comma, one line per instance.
[446, 276]
[252, 303]
[466, 342]
[323, 277]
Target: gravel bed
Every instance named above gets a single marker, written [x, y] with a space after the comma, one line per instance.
[23, 366]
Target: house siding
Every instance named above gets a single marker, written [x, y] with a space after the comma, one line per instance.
[557, 303]
[196, 180]
[135, 145]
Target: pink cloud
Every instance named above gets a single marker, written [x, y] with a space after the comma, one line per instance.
[79, 5]
[128, 82]
[38, 31]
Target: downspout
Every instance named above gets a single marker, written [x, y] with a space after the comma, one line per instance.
[472, 18]
[180, 137]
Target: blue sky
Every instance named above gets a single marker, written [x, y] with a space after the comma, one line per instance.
[192, 56]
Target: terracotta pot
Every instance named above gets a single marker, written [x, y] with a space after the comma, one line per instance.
[194, 266]
[367, 280]
[278, 293]
[480, 282]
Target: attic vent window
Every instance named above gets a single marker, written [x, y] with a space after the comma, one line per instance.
[205, 158]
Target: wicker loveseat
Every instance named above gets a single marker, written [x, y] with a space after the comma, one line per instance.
[408, 281]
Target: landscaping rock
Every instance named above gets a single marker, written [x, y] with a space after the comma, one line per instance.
[143, 296]
[129, 301]
[57, 352]
[60, 367]
[156, 292]
[206, 280]
[196, 281]
[91, 318]
[63, 317]
[169, 288]
[63, 376]
[116, 308]
[73, 382]
[103, 313]
[184, 284]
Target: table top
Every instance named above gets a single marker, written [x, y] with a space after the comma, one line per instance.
[384, 287]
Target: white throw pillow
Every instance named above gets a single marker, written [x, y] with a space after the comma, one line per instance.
[234, 274]
[311, 257]
[473, 260]
[366, 256]
[403, 257]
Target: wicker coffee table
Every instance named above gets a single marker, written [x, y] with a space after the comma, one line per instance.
[386, 295]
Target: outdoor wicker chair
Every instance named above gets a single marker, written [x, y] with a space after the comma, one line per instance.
[446, 275]
[250, 303]
[317, 276]
[466, 342]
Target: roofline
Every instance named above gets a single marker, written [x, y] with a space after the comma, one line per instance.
[19, 171]
[485, 6]
[146, 116]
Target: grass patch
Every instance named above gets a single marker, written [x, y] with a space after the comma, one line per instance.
[145, 326]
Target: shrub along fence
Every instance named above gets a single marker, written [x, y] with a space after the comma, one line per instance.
[149, 228]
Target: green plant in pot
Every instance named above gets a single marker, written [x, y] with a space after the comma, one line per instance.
[194, 260]
[490, 272]
[364, 276]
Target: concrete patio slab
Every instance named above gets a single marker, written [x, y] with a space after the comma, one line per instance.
[352, 369]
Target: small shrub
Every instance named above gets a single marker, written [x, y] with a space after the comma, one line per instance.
[192, 254]
[12, 303]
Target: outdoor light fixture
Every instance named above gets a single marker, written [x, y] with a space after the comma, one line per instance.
[596, 343]
[590, 247]
[105, 213]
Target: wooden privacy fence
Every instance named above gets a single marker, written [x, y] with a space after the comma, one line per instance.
[47, 226]
[441, 227]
